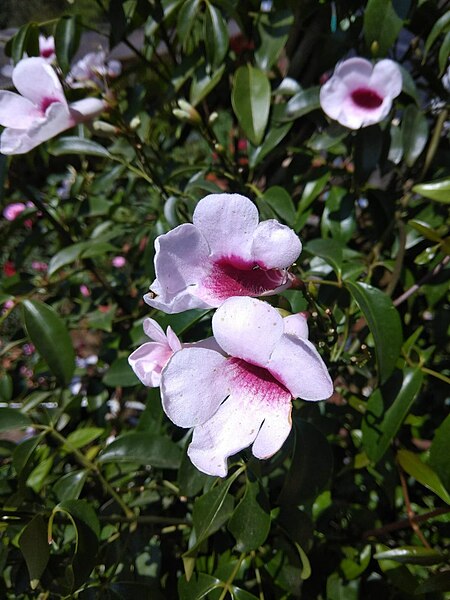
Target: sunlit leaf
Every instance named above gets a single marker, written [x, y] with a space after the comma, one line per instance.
[251, 101]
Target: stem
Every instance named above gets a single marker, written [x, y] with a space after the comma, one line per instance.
[144, 520]
[398, 259]
[434, 143]
[230, 579]
[404, 523]
[409, 511]
[437, 269]
[85, 462]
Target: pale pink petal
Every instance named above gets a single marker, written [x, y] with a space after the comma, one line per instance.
[228, 222]
[154, 331]
[209, 343]
[296, 363]
[172, 340]
[275, 245]
[35, 79]
[87, 109]
[148, 361]
[296, 325]
[232, 428]
[247, 328]
[332, 94]
[181, 262]
[354, 68]
[386, 78]
[275, 429]
[193, 386]
[16, 111]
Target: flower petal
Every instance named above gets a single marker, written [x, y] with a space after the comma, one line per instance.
[148, 361]
[332, 94]
[387, 78]
[172, 340]
[16, 111]
[154, 331]
[193, 385]
[87, 109]
[275, 245]
[354, 68]
[274, 431]
[232, 428]
[247, 328]
[297, 325]
[296, 364]
[35, 79]
[228, 222]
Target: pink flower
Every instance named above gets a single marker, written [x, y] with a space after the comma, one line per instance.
[245, 397]
[225, 252]
[84, 290]
[360, 94]
[39, 266]
[12, 211]
[47, 48]
[118, 262]
[41, 110]
[92, 69]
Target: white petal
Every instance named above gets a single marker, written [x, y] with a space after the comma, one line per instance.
[296, 363]
[275, 245]
[148, 361]
[154, 331]
[386, 78]
[180, 302]
[354, 68]
[247, 328]
[228, 222]
[275, 429]
[87, 109]
[35, 79]
[172, 340]
[232, 428]
[16, 111]
[297, 325]
[193, 385]
[332, 94]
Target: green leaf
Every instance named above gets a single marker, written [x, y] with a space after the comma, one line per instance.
[275, 135]
[75, 145]
[251, 101]
[26, 40]
[83, 511]
[440, 453]
[49, 334]
[411, 464]
[384, 323]
[368, 146]
[10, 418]
[409, 85]
[203, 83]
[414, 133]
[273, 29]
[24, 451]
[414, 555]
[215, 34]
[250, 522]
[311, 191]
[6, 388]
[144, 449]
[70, 485]
[190, 479]
[435, 190]
[281, 203]
[330, 250]
[83, 437]
[186, 20]
[66, 256]
[381, 26]
[444, 52]
[311, 465]
[381, 424]
[67, 40]
[182, 322]
[302, 103]
[120, 374]
[435, 583]
[35, 549]
[198, 586]
[38, 476]
[442, 25]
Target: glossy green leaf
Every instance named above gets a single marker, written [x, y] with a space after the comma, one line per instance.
[409, 85]
[423, 228]
[66, 256]
[11, 418]
[67, 39]
[411, 463]
[381, 423]
[83, 512]
[35, 549]
[312, 190]
[276, 133]
[70, 485]
[83, 437]
[144, 449]
[273, 29]
[37, 479]
[198, 586]
[26, 40]
[182, 322]
[442, 25]
[281, 203]
[24, 451]
[186, 20]
[435, 190]
[311, 465]
[120, 374]
[6, 388]
[203, 83]
[49, 334]
[414, 555]
[381, 26]
[302, 103]
[250, 522]
[190, 479]
[440, 453]
[414, 133]
[75, 145]
[330, 250]
[251, 101]
[384, 323]
[444, 52]
[215, 34]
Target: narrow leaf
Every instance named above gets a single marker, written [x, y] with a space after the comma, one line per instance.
[67, 40]
[411, 463]
[75, 145]
[440, 453]
[435, 190]
[215, 35]
[251, 101]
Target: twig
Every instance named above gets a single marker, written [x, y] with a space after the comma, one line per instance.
[409, 511]
[437, 269]
[404, 523]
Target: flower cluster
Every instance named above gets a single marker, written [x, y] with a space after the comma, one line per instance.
[234, 389]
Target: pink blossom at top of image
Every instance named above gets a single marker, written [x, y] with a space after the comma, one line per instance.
[12, 211]
[242, 395]
[40, 110]
[118, 262]
[359, 93]
[225, 252]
